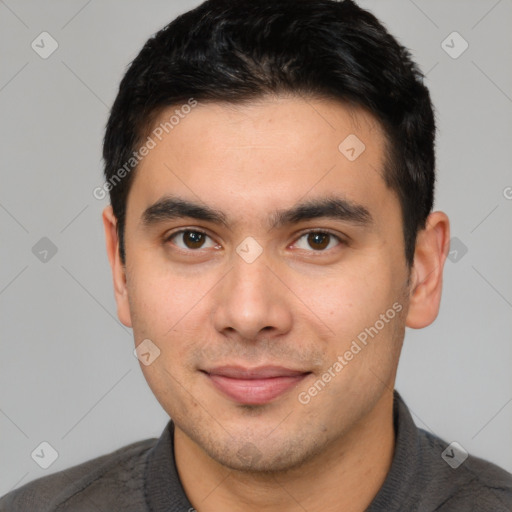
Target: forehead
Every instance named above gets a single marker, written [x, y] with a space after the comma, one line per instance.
[263, 155]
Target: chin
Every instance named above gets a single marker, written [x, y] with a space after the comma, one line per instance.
[261, 457]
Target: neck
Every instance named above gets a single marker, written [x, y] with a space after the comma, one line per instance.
[346, 476]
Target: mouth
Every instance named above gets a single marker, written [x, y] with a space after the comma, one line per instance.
[254, 386]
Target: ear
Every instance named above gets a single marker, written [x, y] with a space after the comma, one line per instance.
[118, 269]
[432, 246]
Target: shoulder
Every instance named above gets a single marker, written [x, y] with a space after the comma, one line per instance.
[115, 479]
[457, 480]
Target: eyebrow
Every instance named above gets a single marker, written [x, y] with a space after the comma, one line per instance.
[336, 208]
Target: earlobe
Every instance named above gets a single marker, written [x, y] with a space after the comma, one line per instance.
[432, 245]
[118, 269]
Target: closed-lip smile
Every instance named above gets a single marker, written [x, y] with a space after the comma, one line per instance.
[254, 386]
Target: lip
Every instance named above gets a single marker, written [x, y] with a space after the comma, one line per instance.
[254, 386]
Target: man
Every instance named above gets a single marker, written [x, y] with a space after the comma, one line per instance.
[271, 174]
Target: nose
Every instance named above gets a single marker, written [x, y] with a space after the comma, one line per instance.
[252, 302]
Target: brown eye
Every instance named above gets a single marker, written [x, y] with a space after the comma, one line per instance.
[193, 239]
[318, 240]
[190, 239]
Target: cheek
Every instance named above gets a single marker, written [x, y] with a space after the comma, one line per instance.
[356, 298]
[160, 301]
[364, 307]
[172, 311]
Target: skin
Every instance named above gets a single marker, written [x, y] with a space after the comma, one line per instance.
[297, 305]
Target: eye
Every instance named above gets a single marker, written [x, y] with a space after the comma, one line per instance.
[191, 239]
[319, 240]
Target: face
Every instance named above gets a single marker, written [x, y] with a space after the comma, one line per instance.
[278, 304]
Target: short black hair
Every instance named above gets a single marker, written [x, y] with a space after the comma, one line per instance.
[238, 51]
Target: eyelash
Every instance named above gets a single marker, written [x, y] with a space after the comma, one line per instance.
[311, 231]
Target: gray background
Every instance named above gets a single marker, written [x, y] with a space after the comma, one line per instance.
[67, 370]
